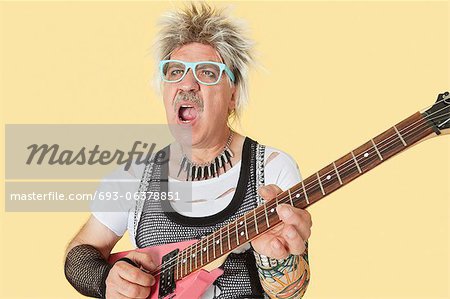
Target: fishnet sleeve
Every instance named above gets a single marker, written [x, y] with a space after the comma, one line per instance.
[87, 270]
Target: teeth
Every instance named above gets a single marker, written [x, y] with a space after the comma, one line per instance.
[184, 121]
[181, 119]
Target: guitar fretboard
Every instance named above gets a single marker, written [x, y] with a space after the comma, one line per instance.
[302, 195]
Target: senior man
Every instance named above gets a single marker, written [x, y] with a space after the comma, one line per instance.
[204, 57]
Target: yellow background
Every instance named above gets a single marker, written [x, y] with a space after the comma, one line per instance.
[337, 74]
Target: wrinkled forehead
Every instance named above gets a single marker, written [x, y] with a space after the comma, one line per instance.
[193, 52]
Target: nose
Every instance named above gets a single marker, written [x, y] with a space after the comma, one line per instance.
[189, 82]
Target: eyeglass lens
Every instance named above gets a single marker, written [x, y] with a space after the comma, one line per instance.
[205, 72]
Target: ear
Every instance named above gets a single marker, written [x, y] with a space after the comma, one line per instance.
[234, 96]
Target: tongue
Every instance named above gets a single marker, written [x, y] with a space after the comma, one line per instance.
[188, 113]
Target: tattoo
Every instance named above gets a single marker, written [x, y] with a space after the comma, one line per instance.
[284, 279]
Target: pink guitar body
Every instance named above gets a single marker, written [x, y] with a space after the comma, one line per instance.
[192, 286]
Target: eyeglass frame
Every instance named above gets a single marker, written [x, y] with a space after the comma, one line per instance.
[192, 65]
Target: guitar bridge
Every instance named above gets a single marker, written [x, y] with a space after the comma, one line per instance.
[167, 276]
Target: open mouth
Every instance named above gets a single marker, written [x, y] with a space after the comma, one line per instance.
[187, 113]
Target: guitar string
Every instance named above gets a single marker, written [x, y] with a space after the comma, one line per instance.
[234, 223]
[191, 247]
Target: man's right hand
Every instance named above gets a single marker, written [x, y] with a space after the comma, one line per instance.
[127, 281]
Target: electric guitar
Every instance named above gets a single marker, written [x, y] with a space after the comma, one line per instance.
[187, 269]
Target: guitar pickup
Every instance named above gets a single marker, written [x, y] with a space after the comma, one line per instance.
[167, 276]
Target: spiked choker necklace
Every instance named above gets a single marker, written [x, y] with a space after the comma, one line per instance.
[209, 169]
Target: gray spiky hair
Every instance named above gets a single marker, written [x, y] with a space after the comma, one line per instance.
[204, 24]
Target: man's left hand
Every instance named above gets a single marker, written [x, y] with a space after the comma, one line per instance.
[290, 236]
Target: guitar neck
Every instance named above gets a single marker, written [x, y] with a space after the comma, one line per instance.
[312, 189]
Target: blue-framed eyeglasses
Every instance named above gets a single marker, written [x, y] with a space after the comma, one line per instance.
[205, 72]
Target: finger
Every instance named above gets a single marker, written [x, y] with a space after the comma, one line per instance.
[269, 192]
[294, 240]
[277, 248]
[142, 259]
[305, 215]
[134, 275]
[299, 218]
[131, 290]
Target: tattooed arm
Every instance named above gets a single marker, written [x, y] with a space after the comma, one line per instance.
[286, 273]
[284, 278]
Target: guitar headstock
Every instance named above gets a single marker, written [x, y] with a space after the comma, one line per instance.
[439, 114]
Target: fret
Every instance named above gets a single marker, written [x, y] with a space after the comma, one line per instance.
[356, 162]
[201, 248]
[320, 183]
[265, 212]
[366, 156]
[214, 244]
[201, 252]
[304, 192]
[337, 173]
[221, 243]
[245, 225]
[180, 270]
[207, 249]
[190, 260]
[401, 138]
[376, 149]
[228, 236]
[186, 261]
[388, 143]
[256, 221]
[184, 267]
[183, 256]
[290, 197]
[425, 129]
[197, 249]
[329, 179]
[204, 251]
[181, 263]
[348, 168]
[311, 189]
[195, 255]
[237, 233]
[177, 265]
